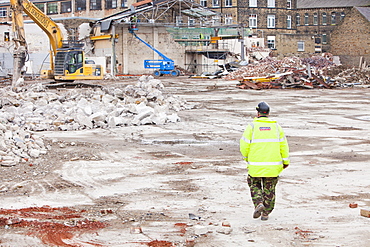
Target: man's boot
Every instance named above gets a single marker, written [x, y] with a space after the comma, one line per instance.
[258, 211]
[265, 216]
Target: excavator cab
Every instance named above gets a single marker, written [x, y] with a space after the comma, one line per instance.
[70, 65]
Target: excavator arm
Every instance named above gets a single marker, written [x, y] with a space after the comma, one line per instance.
[51, 29]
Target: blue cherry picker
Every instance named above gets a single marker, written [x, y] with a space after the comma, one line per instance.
[165, 66]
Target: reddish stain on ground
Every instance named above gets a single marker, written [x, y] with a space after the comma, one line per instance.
[157, 243]
[183, 163]
[182, 227]
[52, 225]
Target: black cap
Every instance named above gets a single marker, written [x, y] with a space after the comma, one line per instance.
[263, 108]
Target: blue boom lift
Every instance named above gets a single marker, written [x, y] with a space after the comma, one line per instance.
[165, 66]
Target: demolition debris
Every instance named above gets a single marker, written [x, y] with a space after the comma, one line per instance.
[294, 72]
[36, 109]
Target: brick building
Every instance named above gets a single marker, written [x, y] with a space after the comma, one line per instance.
[299, 26]
[351, 39]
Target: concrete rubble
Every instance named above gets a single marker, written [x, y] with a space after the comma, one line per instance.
[35, 109]
[295, 72]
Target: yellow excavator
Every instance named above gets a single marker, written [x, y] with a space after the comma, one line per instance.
[67, 59]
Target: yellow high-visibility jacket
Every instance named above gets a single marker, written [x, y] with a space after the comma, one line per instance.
[264, 148]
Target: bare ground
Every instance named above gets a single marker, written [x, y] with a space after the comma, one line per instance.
[184, 184]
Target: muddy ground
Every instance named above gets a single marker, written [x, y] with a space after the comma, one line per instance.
[184, 184]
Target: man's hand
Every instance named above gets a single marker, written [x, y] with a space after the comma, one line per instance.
[285, 166]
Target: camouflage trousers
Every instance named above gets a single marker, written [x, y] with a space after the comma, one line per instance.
[263, 191]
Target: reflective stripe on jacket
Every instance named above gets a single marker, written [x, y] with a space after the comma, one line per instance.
[265, 148]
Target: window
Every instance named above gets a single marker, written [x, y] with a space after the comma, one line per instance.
[271, 3]
[300, 45]
[3, 12]
[315, 19]
[289, 22]
[80, 5]
[40, 6]
[228, 3]
[216, 20]
[52, 8]
[342, 15]
[271, 42]
[333, 21]
[215, 3]
[298, 20]
[95, 4]
[253, 21]
[191, 22]
[110, 4]
[324, 39]
[306, 19]
[179, 20]
[124, 4]
[203, 3]
[289, 4]
[270, 21]
[229, 19]
[66, 7]
[324, 18]
[252, 3]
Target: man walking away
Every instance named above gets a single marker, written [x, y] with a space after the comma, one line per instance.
[265, 149]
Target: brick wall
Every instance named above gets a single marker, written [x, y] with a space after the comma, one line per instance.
[350, 40]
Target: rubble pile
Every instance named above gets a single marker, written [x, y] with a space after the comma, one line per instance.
[352, 76]
[266, 68]
[35, 109]
[294, 72]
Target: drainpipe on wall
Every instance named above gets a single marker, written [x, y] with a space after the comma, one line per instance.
[113, 58]
[242, 49]
[73, 8]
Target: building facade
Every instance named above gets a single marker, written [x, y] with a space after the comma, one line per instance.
[287, 27]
